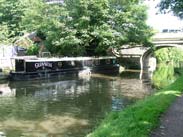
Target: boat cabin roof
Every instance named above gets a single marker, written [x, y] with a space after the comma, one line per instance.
[36, 59]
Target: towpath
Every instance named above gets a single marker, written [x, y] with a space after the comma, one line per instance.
[172, 121]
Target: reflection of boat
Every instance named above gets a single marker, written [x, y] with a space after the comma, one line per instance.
[34, 68]
[51, 89]
[6, 91]
[3, 75]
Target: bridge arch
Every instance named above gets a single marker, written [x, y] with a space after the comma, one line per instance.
[144, 60]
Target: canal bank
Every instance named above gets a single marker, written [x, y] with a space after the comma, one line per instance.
[140, 119]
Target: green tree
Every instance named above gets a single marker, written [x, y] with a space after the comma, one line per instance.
[163, 76]
[90, 22]
[50, 20]
[11, 13]
[176, 6]
[130, 20]
[78, 27]
[93, 26]
[172, 54]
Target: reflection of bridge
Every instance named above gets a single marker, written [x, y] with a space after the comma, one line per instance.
[141, 56]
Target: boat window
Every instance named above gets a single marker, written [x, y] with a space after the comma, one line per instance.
[72, 63]
[108, 61]
[97, 62]
[88, 63]
[113, 61]
[59, 64]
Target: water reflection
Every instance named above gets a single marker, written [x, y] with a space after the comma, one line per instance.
[117, 103]
[65, 107]
[5, 91]
[133, 86]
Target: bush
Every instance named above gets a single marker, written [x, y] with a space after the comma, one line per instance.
[32, 50]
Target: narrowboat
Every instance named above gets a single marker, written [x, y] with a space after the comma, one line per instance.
[31, 67]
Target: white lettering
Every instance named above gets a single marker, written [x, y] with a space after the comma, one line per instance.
[43, 64]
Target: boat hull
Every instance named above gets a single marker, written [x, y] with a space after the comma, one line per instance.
[60, 73]
[44, 69]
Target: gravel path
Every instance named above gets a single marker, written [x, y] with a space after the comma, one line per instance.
[172, 122]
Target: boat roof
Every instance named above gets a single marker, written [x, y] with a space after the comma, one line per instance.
[36, 59]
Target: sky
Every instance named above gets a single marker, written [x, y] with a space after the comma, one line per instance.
[161, 21]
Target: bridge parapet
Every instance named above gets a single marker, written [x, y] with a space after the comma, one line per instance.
[168, 37]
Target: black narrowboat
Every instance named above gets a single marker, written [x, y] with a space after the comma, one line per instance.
[27, 68]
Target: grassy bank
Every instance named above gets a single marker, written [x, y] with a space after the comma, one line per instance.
[139, 119]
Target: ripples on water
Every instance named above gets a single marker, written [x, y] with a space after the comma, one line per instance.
[67, 107]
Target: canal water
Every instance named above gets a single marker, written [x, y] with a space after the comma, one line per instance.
[67, 106]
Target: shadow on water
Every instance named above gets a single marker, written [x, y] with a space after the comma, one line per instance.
[69, 106]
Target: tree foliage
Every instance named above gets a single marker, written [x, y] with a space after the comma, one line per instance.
[11, 13]
[172, 5]
[79, 27]
[172, 54]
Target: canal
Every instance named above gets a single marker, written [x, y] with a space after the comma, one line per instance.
[67, 106]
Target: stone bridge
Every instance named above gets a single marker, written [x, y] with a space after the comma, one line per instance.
[142, 57]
